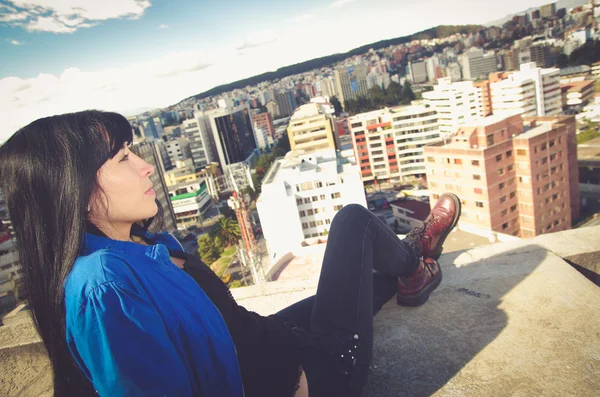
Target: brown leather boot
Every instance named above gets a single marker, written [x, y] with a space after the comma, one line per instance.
[430, 237]
[414, 290]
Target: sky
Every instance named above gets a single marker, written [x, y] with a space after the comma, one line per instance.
[60, 56]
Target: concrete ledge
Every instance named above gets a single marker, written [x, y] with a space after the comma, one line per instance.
[511, 319]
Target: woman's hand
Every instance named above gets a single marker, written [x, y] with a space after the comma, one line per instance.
[303, 386]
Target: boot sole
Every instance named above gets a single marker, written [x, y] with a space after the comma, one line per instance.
[438, 252]
[422, 296]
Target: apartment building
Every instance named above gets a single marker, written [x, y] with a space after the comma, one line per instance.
[178, 149]
[189, 200]
[577, 94]
[311, 128]
[475, 63]
[515, 176]
[388, 143]
[455, 103]
[531, 91]
[351, 82]
[301, 194]
[199, 133]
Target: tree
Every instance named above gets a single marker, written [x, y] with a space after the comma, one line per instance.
[207, 249]
[336, 105]
[228, 230]
[407, 93]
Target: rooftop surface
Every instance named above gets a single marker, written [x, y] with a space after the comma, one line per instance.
[589, 150]
[510, 319]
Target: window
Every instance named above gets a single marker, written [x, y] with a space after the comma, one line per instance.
[476, 177]
[337, 207]
[335, 195]
[499, 158]
[521, 152]
[319, 223]
[500, 171]
[475, 162]
[478, 190]
[315, 235]
[509, 154]
[490, 140]
[552, 143]
[299, 201]
[436, 196]
[327, 221]
[302, 213]
[322, 197]
[458, 161]
[310, 212]
[306, 200]
[315, 198]
[317, 210]
[318, 184]
[479, 204]
[305, 225]
[552, 157]
[503, 199]
[504, 212]
[544, 146]
[313, 224]
[505, 226]
[545, 160]
[431, 159]
[307, 236]
[306, 186]
[512, 195]
[513, 208]
[501, 186]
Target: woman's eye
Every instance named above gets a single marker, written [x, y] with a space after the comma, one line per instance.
[125, 158]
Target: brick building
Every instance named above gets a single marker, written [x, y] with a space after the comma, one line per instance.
[515, 176]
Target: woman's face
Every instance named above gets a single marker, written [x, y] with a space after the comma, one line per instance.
[128, 194]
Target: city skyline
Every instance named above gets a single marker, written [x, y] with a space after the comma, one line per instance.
[139, 54]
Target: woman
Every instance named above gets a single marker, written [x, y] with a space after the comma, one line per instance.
[119, 316]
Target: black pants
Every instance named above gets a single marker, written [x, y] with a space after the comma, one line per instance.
[349, 294]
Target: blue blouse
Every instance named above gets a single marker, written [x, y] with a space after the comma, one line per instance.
[137, 325]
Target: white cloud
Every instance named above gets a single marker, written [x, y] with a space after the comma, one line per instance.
[302, 18]
[66, 16]
[340, 3]
[163, 26]
[258, 39]
[16, 42]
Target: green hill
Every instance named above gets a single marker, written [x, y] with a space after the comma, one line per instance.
[428, 34]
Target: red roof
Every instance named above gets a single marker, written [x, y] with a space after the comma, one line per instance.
[418, 209]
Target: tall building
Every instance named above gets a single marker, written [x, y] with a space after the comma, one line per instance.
[150, 129]
[232, 134]
[532, 91]
[326, 87]
[150, 153]
[417, 72]
[388, 143]
[541, 54]
[577, 95]
[351, 82]
[310, 129]
[548, 10]
[178, 149]
[304, 191]
[513, 176]
[199, 132]
[286, 103]
[273, 109]
[475, 64]
[263, 128]
[455, 103]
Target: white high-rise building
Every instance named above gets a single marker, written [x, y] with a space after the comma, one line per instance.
[388, 143]
[198, 131]
[301, 194]
[178, 149]
[532, 91]
[455, 103]
[475, 63]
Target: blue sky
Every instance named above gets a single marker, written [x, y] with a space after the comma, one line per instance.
[67, 55]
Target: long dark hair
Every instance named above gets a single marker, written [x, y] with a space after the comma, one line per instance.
[48, 171]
